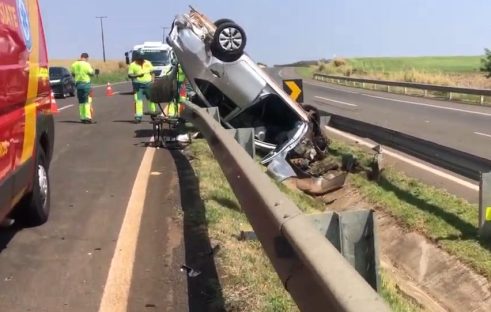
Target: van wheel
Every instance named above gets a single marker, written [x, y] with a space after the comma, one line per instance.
[228, 42]
[35, 205]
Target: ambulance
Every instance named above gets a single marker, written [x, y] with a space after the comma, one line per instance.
[26, 115]
[158, 53]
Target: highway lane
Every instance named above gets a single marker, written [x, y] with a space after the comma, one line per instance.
[65, 264]
[460, 126]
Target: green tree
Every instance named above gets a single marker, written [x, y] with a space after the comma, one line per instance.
[486, 63]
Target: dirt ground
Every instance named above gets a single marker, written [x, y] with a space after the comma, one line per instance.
[424, 272]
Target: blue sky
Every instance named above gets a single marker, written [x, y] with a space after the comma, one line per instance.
[280, 31]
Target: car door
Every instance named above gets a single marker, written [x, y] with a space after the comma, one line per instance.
[13, 90]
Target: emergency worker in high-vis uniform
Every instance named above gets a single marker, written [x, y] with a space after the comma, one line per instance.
[82, 71]
[173, 108]
[140, 72]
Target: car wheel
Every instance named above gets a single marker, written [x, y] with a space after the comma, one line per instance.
[34, 207]
[228, 42]
[72, 91]
[223, 20]
[63, 93]
[164, 90]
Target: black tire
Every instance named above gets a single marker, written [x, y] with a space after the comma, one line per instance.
[164, 89]
[72, 91]
[228, 42]
[223, 20]
[34, 207]
[63, 93]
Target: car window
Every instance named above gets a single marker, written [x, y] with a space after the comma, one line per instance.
[55, 72]
[216, 98]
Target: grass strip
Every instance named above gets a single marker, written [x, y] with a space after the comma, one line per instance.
[248, 281]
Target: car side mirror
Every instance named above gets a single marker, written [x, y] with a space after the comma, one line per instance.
[127, 56]
[97, 72]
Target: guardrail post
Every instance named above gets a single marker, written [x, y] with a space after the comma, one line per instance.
[213, 111]
[485, 206]
[388, 88]
[449, 96]
[363, 85]
[426, 93]
[245, 137]
[353, 234]
[405, 90]
[482, 99]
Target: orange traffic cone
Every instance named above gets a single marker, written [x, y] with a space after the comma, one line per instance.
[54, 106]
[109, 90]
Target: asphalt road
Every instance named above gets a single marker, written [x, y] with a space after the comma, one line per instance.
[101, 173]
[464, 127]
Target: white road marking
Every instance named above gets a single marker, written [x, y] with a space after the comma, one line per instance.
[335, 101]
[429, 105]
[407, 160]
[117, 288]
[483, 134]
[323, 85]
[65, 107]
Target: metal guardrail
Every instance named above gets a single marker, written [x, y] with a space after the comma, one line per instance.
[462, 163]
[410, 85]
[310, 267]
[465, 164]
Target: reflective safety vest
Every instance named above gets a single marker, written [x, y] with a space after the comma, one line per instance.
[180, 74]
[82, 71]
[146, 69]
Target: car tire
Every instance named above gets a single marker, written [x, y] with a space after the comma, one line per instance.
[223, 20]
[34, 207]
[228, 42]
[63, 93]
[164, 89]
[72, 91]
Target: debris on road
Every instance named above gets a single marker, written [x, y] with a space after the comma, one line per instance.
[190, 271]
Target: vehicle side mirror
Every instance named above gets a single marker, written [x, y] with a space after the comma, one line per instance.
[127, 56]
[97, 72]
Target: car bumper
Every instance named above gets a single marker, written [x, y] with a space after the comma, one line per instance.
[57, 89]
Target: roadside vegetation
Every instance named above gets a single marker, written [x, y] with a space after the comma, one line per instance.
[450, 222]
[248, 281]
[110, 71]
[463, 71]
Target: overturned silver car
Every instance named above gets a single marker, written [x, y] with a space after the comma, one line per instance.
[224, 76]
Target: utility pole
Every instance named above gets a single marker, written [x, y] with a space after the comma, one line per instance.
[102, 33]
[163, 34]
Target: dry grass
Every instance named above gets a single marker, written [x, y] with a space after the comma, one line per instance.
[110, 71]
[446, 76]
